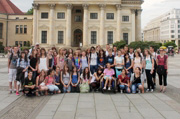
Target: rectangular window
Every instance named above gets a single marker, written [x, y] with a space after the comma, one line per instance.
[172, 36]
[178, 26]
[25, 43]
[60, 37]
[110, 37]
[178, 36]
[125, 18]
[44, 37]
[25, 29]
[110, 16]
[93, 37]
[17, 17]
[44, 15]
[61, 15]
[20, 43]
[16, 43]
[1, 30]
[178, 21]
[25, 17]
[93, 16]
[21, 28]
[172, 31]
[125, 37]
[78, 19]
[17, 29]
[178, 31]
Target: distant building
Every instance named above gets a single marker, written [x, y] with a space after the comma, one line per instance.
[164, 28]
[15, 26]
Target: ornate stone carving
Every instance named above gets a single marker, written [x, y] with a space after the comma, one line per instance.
[110, 27]
[118, 6]
[43, 26]
[60, 27]
[35, 6]
[125, 29]
[93, 27]
[69, 6]
[85, 6]
[133, 11]
[102, 6]
[52, 6]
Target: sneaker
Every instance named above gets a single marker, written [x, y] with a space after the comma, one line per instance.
[104, 88]
[152, 90]
[17, 93]
[109, 88]
[147, 90]
[139, 91]
[121, 91]
[10, 91]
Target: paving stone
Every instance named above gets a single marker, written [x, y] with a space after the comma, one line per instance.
[67, 108]
[126, 109]
[86, 105]
[105, 107]
[170, 114]
[64, 115]
[150, 113]
[107, 115]
[85, 113]
[131, 115]
[44, 117]
[86, 99]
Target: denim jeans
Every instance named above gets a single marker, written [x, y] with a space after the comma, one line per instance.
[93, 68]
[135, 86]
[124, 87]
[52, 88]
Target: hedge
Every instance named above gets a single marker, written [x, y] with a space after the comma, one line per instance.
[138, 44]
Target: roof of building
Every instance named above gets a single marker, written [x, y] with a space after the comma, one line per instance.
[7, 7]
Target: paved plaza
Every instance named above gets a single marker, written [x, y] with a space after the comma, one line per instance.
[94, 105]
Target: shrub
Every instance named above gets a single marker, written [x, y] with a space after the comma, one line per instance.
[170, 44]
[120, 44]
[143, 45]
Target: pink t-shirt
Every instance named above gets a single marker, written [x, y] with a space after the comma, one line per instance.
[109, 72]
[162, 60]
[50, 80]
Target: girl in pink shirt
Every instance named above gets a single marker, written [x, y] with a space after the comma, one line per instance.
[108, 76]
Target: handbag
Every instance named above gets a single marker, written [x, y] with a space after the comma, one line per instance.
[84, 87]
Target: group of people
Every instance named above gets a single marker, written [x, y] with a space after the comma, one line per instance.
[38, 71]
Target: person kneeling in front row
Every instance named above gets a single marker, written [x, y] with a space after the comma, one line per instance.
[30, 87]
[124, 82]
[137, 81]
[50, 82]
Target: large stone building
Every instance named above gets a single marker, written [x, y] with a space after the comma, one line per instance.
[90, 22]
[164, 28]
[69, 23]
[15, 26]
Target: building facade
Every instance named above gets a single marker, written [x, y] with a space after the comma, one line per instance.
[73, 23]
[164, 28]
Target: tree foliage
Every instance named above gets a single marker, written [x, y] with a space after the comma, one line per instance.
[30, 12]
[120, 44]
[170, 44]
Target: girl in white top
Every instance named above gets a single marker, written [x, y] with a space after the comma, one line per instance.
[119, 63]
[43, 64]
[137, 60]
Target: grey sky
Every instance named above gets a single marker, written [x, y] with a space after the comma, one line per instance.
[151, 8]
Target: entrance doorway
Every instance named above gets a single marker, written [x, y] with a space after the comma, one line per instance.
[77, 37]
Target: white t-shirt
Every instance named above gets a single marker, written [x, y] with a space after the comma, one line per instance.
[131, 55]
[154, 54]
[107, 53]
[119, 60]
[93, 59]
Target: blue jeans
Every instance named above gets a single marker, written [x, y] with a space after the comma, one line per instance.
[52, 88]
[93, 68]
[67, 89]
[124, 87]
[135, 86]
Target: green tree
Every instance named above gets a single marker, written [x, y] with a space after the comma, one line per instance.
[30, 11]
[170, 44]
[120, 44]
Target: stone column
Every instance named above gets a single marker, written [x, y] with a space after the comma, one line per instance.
[51, 26]
[138, 25]
[68, 25]
[102, 17]
[35, 19]
[119, 34]
[133, 29]
[85, 25]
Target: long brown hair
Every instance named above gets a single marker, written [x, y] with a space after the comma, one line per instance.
[65, 66]
[84, 73]
[43, 49]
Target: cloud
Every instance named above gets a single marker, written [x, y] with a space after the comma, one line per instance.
[23, 5]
